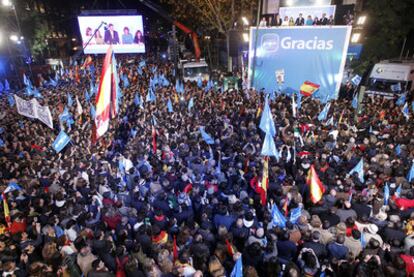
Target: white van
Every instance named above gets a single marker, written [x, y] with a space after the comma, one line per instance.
[391, 78]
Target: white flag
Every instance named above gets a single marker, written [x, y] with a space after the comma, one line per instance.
[79, 109]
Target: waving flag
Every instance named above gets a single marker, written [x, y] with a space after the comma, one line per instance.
[237, 269]
[190, 104]
[356, 80]
[308, 88]
[269, 147]
[116, 93]
[267, 124]
[170, 106]
[265, 180]
[103, 98]
[317, 189]
[199, 82]
[151, 95]
[137, 99]
[1, 87]
[324, 113]
[61, 141]
[6, 210]
[70, 100]
[397, 192]
[125, 80]
[206, 137]
[6, 85]
[355, 102]
[396, 87]
[295, 214]
[405, 111]
[278, 219]
[26, 81]
[363, 240]
[386, 194]
[11, 100]
[12, 187]
[79, 109]
[293, 106]
[93, 112]
[401, 100]
[410, 175]
[398, 150]
[359, 168]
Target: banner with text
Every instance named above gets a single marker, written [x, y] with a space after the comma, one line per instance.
[33, 109]
[311, 54]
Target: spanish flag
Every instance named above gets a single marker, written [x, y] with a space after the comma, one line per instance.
[259, 111]
[6, 210]
[315, 185]
[265, 180]
[308, 88]
[87, 62]
[103, 98]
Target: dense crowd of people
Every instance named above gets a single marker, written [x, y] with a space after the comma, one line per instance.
[119, 208]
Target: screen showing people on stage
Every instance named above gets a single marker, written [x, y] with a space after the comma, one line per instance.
[124, 33]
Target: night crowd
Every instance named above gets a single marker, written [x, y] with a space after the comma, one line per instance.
[119, 208]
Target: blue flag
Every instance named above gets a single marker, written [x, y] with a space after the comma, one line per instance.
[1, 87]
[278, 219]
[70, 100]
[355, 102]
[29, 91]
[134, 132]
[87, 96]
[139, 70]
[269, 147]
[61, 141]
[397, 192]
[324, 113]
[169, 106]
[151, 95]
[299, 101]
[237, 269]
[6, 85]
[11, 100]
[190, 104]
[396, 87]
[142, 64]
[401, 100]
[26, 81]
[199, 82]
[295, 214]
[93, 112]
[359, 168]
[410, 175]
[267, 124]
[356, 80]
[405, 111]
[386, 194]
[37, 93]
[177, 86]
[165, 82]
[125, 80]
[363, 240]
[137, 99]
[1, 143]
[206, 137]
[398, 150]
[12, 187]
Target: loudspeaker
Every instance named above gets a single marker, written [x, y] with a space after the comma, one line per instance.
[234, 43]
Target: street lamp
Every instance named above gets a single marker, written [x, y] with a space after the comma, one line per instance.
[7, 3]
[361, 20]
[246, 37]
[355, 37]
[14, 38]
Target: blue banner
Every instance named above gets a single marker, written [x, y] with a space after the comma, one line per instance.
[303, 53]
[61, 141]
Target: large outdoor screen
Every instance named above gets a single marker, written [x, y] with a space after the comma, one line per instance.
[124, 33]
[285, 57]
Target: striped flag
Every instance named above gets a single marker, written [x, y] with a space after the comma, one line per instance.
[103, 98]
[317, 189]
[265, 180]
[6, 210]
[308, 88]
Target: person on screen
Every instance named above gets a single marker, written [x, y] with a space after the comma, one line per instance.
[316, 21]
[300, 21]
[331, 20]
[88, 35]
[291, 21]
[127, 36]
[277, 21]
[309, 21]
[138, 38]
[285, 21]
[111, 36]
[98, 37]
[323, 20]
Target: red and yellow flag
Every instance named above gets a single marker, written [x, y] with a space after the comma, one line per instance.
[316, 187]
[6, 210]
[308, 88]
[265, 180]
[87, 62]
[103, 98]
